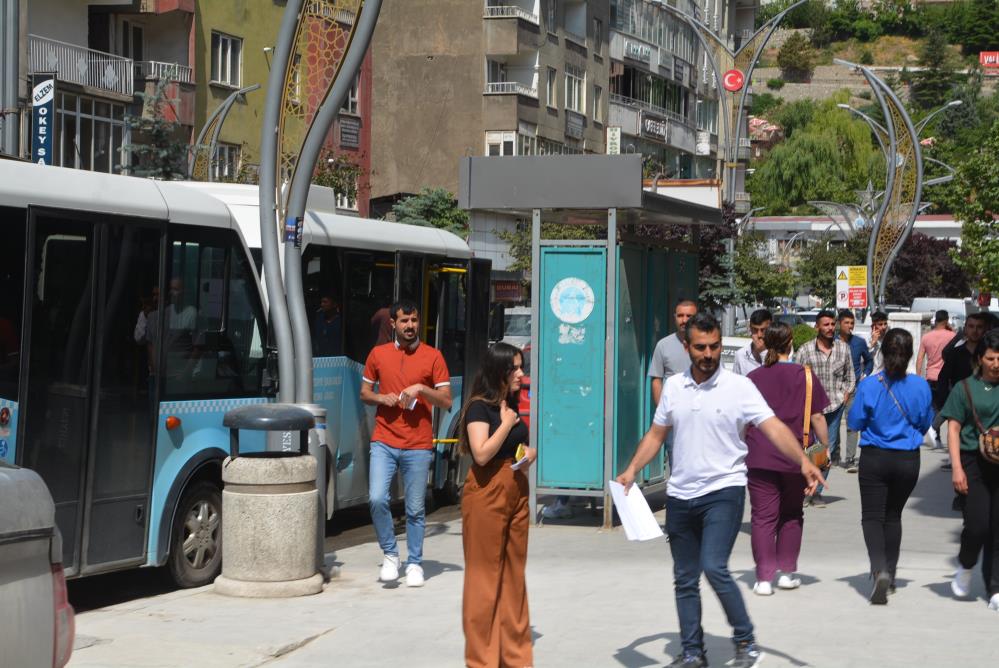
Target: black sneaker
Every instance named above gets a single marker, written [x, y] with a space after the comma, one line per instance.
[879, 595]
[747, 655]
[689, 660]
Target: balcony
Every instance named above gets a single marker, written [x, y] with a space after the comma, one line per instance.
[510, 88]
[639, 104]
[104, 72]
[511, 12]
[154, 69]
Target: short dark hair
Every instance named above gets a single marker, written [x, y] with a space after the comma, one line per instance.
[879, 316]
[981, 315]
[824, 313]
[702, 322]
[684, 300]
[760, 316]
[941, 316]
[406, 306]
[989, 342]
[896, 351]
[845, 314]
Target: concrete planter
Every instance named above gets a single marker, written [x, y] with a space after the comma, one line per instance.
[269, 510]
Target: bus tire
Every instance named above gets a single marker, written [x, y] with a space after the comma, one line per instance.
[196, 536]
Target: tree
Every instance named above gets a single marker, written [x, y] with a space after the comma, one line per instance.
[158, 147]
[924, 267]
[756, 279]
[978, 181]
[932, 84]
[796, 58]
[980, 27]
[816, 267]
[339, 173]
[434, 207]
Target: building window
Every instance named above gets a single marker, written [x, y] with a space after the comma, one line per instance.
[225, 163]
[552, 16]
[706, 115]
[500, 143]
[598, 100]
[350, 105]
[575, 79]
[92, 132]
[598, 35]
[227, 55]
[495, 71]
[552, 79]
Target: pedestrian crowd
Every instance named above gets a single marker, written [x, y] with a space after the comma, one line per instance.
[771, 425]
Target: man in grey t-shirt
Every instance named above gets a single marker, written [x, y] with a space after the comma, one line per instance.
[670, 357]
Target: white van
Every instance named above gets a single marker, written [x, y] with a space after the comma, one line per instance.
[517, 326]
[958, 309]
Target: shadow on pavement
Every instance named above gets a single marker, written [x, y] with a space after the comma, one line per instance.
[719, 650]
[749, 577]
[99, 591]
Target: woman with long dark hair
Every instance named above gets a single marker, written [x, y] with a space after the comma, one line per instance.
[495, 517]
[892, 411]
[776, 486]
[973, 411]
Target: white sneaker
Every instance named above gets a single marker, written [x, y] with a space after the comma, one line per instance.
[994, 603]
[390, 568]
[961, 584]
[414, 575]
[763, 588]
[559, 510]
[786, 581]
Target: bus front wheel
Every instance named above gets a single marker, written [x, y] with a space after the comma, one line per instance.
[196, 540]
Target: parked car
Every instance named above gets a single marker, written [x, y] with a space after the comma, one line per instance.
[517, 326]
[40, 629]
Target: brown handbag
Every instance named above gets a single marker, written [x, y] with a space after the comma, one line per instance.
[818, 452]
[988, 439]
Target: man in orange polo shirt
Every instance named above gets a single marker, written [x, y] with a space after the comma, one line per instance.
[412, 378]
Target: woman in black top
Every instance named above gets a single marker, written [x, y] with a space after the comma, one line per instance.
[494, 513]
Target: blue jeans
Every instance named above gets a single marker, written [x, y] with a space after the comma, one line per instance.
[833, 420]
[702, 532]
[414, 465]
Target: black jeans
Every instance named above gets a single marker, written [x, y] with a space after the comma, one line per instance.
[981, 518]
[887, 478]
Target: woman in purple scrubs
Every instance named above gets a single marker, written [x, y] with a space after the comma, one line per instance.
[776, 486]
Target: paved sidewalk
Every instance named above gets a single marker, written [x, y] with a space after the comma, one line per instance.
[596, 600]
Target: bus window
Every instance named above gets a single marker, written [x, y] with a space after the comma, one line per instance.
[12, 253]
[446, 316]
[212, 337]
[368, 292]
[323, 283]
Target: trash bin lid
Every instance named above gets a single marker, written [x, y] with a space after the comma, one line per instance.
[270, 417]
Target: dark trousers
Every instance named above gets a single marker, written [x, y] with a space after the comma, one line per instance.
[981, 518]
[777, 518]
[702, 532]
[887, 478]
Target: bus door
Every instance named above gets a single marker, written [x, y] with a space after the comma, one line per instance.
[476, 315]
[88, 410]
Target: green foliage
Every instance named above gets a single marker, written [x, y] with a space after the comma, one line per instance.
[977, 25]
[818, 261]
[866, 30]
[925, 267]
[756, 279]
[159, 149]
[763, 103]
[978, 181]
[866, 57]
[828, 156]
[932, 84]
[341, 174]
[433, 207]
[775, 84]
[802, 334]
[520, 239]
[796, 58]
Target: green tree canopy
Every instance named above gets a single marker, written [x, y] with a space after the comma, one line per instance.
[978, 180]
[433, 207]
[932, 83]
[796, 58]
[756, 279]
[159, 148]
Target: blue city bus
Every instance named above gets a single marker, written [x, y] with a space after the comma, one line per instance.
[131, 321]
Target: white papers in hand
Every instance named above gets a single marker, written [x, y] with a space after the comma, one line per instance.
[520, 462]
[636, 517]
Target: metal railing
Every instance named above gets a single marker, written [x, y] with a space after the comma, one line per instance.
[632, 102]
[80, 65]
[510, 12]
[573, 37]
[154, 69]
[511, 87]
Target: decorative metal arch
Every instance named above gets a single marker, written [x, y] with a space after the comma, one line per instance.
[201, 154]
[842, 215]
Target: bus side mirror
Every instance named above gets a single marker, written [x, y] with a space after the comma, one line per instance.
[497, 322]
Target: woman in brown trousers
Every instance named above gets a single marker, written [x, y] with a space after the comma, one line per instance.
[494, 513]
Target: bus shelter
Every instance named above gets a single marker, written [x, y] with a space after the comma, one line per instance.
[598, 307]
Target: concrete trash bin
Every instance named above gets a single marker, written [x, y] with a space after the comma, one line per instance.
[269, 509]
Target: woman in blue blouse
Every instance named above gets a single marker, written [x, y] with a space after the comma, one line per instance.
[892, 411]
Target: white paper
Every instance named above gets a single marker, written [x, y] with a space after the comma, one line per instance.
[520, 462]
[636, 517]
[411, 405]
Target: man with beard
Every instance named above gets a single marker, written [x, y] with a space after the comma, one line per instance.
[832, 363]
[709, 408]
[412, 378]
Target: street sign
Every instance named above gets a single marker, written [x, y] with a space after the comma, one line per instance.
[851, 286]
[989, 59]
[43, 122]
[733, 80]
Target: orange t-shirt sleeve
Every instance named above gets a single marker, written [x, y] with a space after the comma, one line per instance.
[439, 371]
[371, 368]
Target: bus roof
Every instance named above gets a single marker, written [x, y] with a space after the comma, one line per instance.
[24, 184]
[325, 227]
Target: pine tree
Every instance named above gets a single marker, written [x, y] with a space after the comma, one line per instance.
[158, 149]
[932, 84]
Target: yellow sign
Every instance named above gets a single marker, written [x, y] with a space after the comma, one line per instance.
[858, 276]
[851, 286]
[842, 276]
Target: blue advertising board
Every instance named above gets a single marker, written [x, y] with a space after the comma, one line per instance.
[43, 123]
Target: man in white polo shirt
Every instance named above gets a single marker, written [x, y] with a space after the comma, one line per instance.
[709, 409]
